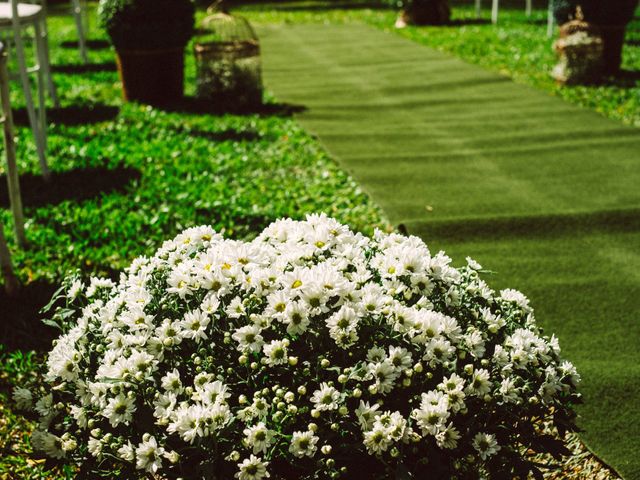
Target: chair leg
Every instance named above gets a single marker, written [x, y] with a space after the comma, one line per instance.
[10, 280]
[77, 13]
[13, 182]
[28, 96]
[42, 102]
[478, 8]
[550, 19]
[494, 12]
[46, 64]
[529, 8]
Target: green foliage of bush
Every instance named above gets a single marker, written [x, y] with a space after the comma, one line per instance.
[611, 12]
[147, 24]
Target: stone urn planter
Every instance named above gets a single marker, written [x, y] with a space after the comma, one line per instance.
[150, 37]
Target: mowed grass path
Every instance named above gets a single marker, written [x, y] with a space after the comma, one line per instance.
[543, 192]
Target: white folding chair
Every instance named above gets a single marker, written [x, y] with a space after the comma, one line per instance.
[495, 7]
[10, 151]
[78, 11]
[17, 17]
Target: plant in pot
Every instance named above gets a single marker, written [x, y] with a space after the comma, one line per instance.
[150, 37]
[422, 12]
[610, 17]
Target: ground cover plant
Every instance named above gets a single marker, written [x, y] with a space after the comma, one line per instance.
[310, 352]
[126, 177]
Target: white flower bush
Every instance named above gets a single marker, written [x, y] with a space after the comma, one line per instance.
[309, 352]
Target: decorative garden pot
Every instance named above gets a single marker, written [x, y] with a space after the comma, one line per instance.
[426, 12]
[613, 42]
[152, 76]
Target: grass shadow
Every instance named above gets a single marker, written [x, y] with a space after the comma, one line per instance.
[223, 135]
[79, 184]
[543, 226]
[193, 105]
[21, 327]
[91, 44]
[76, 68]
[72, 115]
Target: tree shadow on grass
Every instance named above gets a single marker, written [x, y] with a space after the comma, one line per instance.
[79, 184]
[195, 105]
[21, 327]
[461, 22]
[91, 44]
[77, 68]
[543, 226]
[71, 115]
[223, 135]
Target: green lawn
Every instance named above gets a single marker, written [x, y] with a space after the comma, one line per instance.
[518, 46]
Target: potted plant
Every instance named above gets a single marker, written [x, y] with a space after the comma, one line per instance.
[150, 37]
[423, 12]
[610, 17]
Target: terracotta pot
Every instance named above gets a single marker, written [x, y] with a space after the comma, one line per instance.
[613, 42]
[152, 76]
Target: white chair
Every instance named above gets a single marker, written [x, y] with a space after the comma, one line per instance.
[10, 281]
[78, 11]
[10, 151]
[17, 17]
[495, 7]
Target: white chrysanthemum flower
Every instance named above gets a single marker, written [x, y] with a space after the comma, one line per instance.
[259, 437]
[171, 381]
[516, 297]
[23, 398]
[365, 413]
[48, 443]
[447, 437]
[326, 398]
[127, 452]
[384, 375]
[252, 468]
[400, 358]
[296, 318]
[120, 410]
[149, 455]
[303, 444]
[194, 325]
[377, 440]
[486, 445]
[249, 338]
[276, 352]
[479, 384]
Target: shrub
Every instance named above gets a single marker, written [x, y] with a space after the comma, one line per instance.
[147, 24]
[310, 352]
[612, 12]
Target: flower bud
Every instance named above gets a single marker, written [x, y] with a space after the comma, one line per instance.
[418, 367]
[313, 427]
[342, 379]
[324, 363]
[315, 413]
[343, 410]
[326, 449]
[357, 393]
[468, 368]
[302, 390]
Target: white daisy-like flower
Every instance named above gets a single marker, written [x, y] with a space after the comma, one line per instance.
[23, 398]
[447, 437]
[252, 468]
[486, 445]
[275, 352]
[120, 409]
[303, 444]
[259, 437]
[149, 454]
[377, 440]
[248, 338]
[194, 325]
[326, 398]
